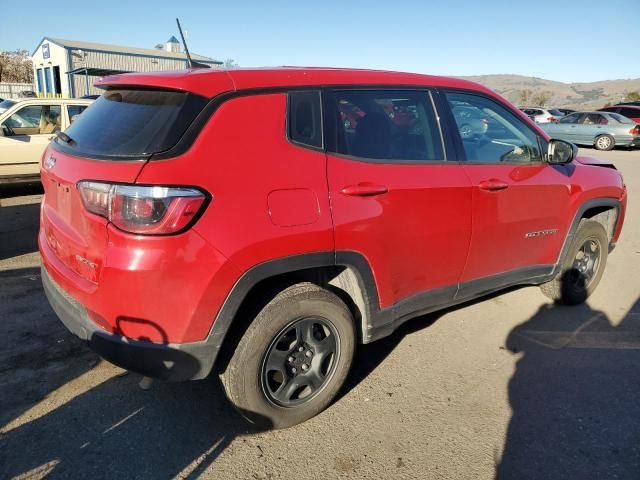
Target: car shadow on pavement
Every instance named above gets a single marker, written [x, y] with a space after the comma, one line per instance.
[575, 396]
[65, 413]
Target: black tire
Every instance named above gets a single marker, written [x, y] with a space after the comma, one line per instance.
[572, 286]
[250, 385]
[604, 142]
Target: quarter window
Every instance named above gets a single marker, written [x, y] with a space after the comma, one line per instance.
[490, 133]
[305, 118]
[387, 125]
[74, 110]
[33, 120]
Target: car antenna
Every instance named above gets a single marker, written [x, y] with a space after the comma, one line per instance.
[186, 49]
[190, 62]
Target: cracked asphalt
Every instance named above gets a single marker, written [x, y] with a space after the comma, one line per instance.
[510, 387]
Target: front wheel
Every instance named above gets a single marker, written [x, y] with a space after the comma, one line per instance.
[604, 142]
[583, 266]
[293, 358]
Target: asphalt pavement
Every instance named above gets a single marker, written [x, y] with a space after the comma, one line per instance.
[508, 387]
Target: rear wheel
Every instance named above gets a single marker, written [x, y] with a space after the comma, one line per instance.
[604, 142]
[583, 266]
[293, 358]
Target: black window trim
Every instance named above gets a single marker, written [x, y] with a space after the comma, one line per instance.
[288, 114]
[330, 126]
[453, 128]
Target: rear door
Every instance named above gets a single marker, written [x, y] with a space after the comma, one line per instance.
[26, 133]
[394, 198]
[110, 143]
[519, 201]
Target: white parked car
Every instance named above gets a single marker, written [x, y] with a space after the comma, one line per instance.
[26, 127]
[542, 115]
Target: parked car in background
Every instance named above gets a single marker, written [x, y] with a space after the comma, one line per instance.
[564, 111]
[632, 112]
[636, 104]
[26, 127]
[540, 115]
[180, 263]
[471, 120]
[603, 130]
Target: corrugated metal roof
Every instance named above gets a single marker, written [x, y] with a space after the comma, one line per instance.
[151, 52]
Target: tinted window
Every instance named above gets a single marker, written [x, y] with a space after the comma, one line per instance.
[133, 123]
[556, 112]
[630, 112]
[492, 133]
[305, 118]
[33, 120]
[74, 110]
[387, 125]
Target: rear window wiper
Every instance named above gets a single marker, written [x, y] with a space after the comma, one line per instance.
[65, 138]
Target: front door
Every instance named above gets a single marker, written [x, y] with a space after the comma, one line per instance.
[25, 135]
[520, 203]
[394, 198]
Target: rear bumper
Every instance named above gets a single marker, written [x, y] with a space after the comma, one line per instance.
[184, 361]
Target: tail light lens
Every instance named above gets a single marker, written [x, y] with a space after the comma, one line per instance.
[552, 119]
[635, 130]
[143, 210]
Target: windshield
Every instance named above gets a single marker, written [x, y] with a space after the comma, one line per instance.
[6, 105]
[132, 123]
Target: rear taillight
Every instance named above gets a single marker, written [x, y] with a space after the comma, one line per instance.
[552, 119]
[144, 210]
[635, 130]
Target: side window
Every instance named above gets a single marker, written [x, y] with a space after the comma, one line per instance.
[74, 110]
[592, 119]
[33, 120]
[387, 125]
[490, 133]
[305, 118]
[572, 118]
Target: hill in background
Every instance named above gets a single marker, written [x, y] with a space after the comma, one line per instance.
[573, 95]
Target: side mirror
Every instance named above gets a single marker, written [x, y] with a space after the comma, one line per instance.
[561, 152]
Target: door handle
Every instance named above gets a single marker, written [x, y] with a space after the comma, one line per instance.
[364, 189]
[492, 185]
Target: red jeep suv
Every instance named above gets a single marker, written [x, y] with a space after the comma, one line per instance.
[230, 218]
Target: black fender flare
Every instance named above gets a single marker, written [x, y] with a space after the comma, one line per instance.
[588, 205]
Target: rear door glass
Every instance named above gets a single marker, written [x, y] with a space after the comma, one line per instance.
[387, 125]
[128, 123]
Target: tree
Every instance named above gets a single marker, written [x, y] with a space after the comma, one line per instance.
[632, 97]
[16, 67]
[230, 63]
[541, 98]
[525, 96]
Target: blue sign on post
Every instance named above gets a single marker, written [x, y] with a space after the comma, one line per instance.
[45, 50]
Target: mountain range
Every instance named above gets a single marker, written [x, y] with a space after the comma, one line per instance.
[572, 95]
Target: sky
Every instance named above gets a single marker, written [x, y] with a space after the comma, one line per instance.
[563, 40]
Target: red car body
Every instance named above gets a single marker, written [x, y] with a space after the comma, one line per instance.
[630, 111]
[274, 207]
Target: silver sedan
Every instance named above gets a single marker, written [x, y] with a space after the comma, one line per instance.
[599, 129]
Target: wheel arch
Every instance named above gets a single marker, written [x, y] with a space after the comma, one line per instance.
[605, 211]
[346, 274]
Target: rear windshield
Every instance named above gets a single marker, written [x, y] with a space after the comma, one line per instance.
[556, 112]
[127, 123]
[620, 118]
